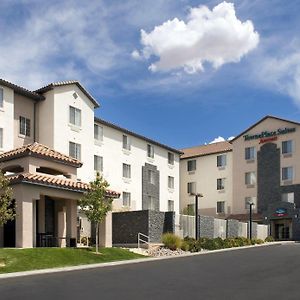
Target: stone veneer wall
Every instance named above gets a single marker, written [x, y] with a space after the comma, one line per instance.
[232, 228]
[206, 226]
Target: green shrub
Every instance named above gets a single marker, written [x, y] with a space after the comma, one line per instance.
[257, 241]
[185, 246]
[192, 244]
[171, 241]
[269, 239]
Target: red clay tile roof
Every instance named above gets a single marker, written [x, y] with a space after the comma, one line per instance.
[40, 151]
[54, 181]
[206, 149]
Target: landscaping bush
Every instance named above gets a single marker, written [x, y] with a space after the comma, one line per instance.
[185, 246]
[269, 239]
[171, 241]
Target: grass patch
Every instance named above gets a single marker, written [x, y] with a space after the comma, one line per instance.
[16, 260]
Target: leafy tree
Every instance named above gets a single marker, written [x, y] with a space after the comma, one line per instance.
[6, 202]
[96, 204]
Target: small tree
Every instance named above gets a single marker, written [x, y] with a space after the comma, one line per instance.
[96, 204]
[6, 203]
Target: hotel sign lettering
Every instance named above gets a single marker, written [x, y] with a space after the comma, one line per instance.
[268, 136]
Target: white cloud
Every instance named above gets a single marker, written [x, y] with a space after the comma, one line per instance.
[230, 138]
[217, 140]
[215, 36]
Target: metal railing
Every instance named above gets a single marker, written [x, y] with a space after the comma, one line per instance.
[141, 239]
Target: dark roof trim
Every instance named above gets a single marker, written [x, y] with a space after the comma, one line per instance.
[261, 120]
[101, 121]
[206, 154]
[22, 91]
[52, 85]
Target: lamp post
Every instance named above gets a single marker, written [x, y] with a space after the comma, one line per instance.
[197, 195]
[250, 219]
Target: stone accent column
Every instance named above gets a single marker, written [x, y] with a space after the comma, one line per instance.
[105, 231]
[62, 227]
[71, 220]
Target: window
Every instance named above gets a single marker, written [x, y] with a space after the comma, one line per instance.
[98, 132]
[249, 200]
[24, 126]
[98, 163]
[250, 178]
[287, 147]
[151, 176]
[191, 165]
[126, 199]
[287, 173]
[250, 153]
[75, 116]
[126, 142]
[220, 183]
[126, 171]
[1, 98]
[150, 203]
[170, 205]
[191, 187]
[171, 158]
[150, 151]
[220, 207]
[1, 138]
[170, 182]
[75, 150]
[287, 197]
[221, 160]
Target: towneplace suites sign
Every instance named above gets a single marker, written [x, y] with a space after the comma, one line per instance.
[268, 136]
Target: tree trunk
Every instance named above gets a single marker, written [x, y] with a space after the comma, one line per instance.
[97, 237]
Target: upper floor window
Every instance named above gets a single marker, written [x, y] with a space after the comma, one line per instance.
[191, 165]
[126, 142]
[150, 151]
[250, 178]
[287, 197]
[1, 138]
[287, 147]
[287, 173]
[170, 182]
[1, 98]
[150, 203]
[75, 150]
[75, 116]
[98, 163]
[220, 207]
[221, 160]
[151, 176]
[126, 171]
[170, 205]
[250, 153]
[191, 187]
[98, 132]
[220, 183]
[171, 158]
[24, 126]
[126, 199]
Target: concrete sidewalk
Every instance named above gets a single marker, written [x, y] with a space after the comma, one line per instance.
[133, 261]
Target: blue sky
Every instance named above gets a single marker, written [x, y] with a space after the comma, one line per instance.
[217, 76]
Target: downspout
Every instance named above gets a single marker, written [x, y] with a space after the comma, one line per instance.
[34, 122]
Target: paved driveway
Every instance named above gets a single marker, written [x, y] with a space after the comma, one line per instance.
[256, 273]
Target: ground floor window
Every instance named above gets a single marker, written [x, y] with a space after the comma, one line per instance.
[287, 197]
[220, 207]
[126, 199]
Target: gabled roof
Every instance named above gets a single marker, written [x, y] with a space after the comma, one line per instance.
[260, 121]
[39, 151]
[21, 90]
[52, 85]
[150, 141]
[54, 181]
[208, 149]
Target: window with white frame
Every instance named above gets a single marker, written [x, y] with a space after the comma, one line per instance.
[250, 153]
[220, 207]
[126, 171]
[171, 158]
[250, 178]
[98, 163]
[170, 182]
[221, 160]
[24, 126]
[151, 176]
[150, 151]
[75, 116]
[1, 138]
[249, 200]
[191, 165]
[1, 98]
[126, 199]
[170, 205]
[98, 133]
[220, 184]
[287, 197]
[126, 142]
[191, 187]
[75, 150]
[287, 147]
[287, 173]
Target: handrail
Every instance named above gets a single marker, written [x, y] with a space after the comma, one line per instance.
[142, 240]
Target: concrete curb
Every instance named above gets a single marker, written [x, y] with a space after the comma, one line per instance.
[132, 261]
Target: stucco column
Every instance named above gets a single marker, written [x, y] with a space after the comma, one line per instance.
[62, 227]
[24, 223]
[105, 232]
[71, 219]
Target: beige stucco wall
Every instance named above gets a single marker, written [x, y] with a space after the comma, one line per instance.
[241, 166]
